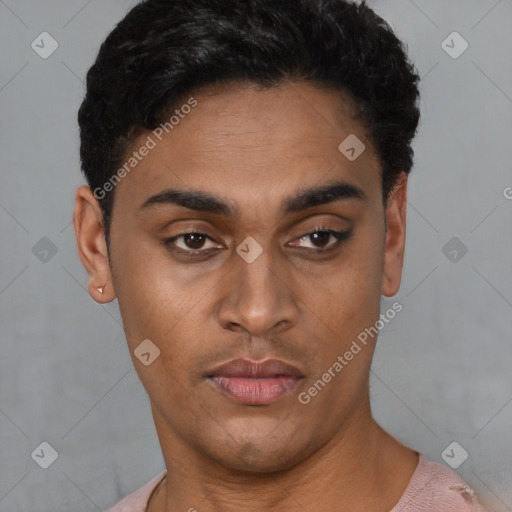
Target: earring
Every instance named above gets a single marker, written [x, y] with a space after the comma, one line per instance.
[101, 288]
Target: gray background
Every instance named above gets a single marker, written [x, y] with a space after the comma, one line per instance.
[442, 370]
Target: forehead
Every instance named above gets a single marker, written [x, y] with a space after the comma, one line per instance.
[245, 138]
[249, 117]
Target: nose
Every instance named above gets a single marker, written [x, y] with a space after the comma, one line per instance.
[259, 297]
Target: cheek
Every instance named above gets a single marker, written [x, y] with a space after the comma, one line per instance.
[348, 306]
[149, 300]
[350, 294]
[155, 304]
[162, 301]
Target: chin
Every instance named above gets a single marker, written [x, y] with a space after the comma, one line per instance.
[260, 454]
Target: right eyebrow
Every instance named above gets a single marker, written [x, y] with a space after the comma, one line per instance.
[193, 200]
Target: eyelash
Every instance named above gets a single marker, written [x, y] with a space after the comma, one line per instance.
[340, 236]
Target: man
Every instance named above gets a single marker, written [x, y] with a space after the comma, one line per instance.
[247, 164]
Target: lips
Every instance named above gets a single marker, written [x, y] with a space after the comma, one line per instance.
[255, 382]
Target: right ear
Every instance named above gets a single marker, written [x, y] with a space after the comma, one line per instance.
[92, 248]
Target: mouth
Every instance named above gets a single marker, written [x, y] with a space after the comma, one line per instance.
[255, 383]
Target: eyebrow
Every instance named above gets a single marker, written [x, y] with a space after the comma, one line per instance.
[302, 200]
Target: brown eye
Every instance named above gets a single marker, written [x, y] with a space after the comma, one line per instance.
[320, 239]
[194, 240]
[190, 242]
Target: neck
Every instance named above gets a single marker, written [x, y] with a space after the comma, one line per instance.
[360, 468]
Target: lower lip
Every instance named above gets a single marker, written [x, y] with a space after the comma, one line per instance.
[252, 391]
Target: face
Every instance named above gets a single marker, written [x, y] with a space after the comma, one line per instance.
[258, 173]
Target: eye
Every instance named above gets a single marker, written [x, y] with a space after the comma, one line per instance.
[192, 242]
[321, 238]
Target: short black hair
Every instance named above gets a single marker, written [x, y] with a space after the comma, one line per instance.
[163, 50]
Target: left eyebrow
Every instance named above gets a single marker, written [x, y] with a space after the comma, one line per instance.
[323, 194]
[301, 200]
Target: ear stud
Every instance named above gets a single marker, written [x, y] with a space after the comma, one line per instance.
[101, 288]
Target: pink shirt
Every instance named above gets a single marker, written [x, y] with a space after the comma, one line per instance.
[433, 487]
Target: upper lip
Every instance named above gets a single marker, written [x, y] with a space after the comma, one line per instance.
[256, 369]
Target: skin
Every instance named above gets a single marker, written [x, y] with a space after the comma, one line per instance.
[254, 148]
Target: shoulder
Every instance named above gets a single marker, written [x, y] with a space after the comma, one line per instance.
[137, 500]
[434, 486]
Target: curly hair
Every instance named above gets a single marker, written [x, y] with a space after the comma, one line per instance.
[164, 49]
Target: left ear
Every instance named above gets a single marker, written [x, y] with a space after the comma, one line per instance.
[395, 237]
